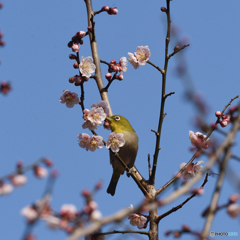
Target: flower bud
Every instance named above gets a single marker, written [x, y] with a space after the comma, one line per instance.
[81, 34]
[112, 11]
[163, 9]
[105, 8]
[108, 76]
[70, 44]
[75, 47]
[218, 114]
[72, 56]
[233, 198]
[86, 193]
[75, 65]
[176, 49]
[119, 77]
[71, 79]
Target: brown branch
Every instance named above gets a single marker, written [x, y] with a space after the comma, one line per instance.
[94, 48]
[174, 209]
[177, 50]
[230, 137]
[158, 68]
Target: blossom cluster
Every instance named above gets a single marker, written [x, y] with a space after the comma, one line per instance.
[18, 179]
[68, 218]
[69, 98]
[137, 219]
[140, 57]
[115, 67]
[226, 120]
[191, 170]
[199, 140]
[95, 116]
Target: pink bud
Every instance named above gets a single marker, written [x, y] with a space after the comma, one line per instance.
[81, 34]
[72, 56]
[113, 62]
[70, 44]
[105, 8]
[163, 9]
[108, 76]
[99, 185]
[218, 114]
[48, 162]
[71, 79]
[119, 77]
[2, 43]
[75, 65]
[167, 233]
[223, 123]
[86, 193]
[233, 198]
[186, 228]
[80, 41]
[75, 47]
[85, 79]
[176, 49]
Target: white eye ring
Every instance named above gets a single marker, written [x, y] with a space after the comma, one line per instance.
[117, 118]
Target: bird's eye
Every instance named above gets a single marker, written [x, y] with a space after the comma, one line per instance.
[117, 118]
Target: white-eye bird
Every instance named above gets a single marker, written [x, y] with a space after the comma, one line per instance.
[127, 152]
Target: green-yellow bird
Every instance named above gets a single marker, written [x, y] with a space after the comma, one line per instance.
[128, 152]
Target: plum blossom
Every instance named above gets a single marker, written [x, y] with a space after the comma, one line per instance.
[226, 121]
[86, 66]
[69, 98]
[90, 143]
[103, 105]
[137, 220]
[18, 180]
[94, 117]
[94, 143]
[123, 63]
[191, 170]
[115, 141]
[83, 139]
[198, 138]
[68, 211]
[140, 57]
[40, 172]
[30, 213]
[233, 210]
[5, 188]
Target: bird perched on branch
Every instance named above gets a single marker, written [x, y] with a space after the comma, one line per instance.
[127, 152]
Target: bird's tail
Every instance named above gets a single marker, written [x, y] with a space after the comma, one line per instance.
[113, 184]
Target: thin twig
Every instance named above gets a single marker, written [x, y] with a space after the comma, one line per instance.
[158, 68]
[180, 49]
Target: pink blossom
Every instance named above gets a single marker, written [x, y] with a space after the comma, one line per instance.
[140, 57]
[197, 140]
[75, 47]
[233, 210]
[94, 143]
[29, 213]
[96, 116]
[68, 211]
[115, 141]
[86, 66]
[83, 139]
[137, 219]
[5, 188]
[40, 172]
[103, 105]
[191, 170]
[69, 98]
[123, 63]
[226, 121]
[133, 60]
[18, 180]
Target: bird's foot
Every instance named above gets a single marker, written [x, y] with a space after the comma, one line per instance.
[129, 172]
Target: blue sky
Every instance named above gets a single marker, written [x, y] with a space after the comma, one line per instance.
[34, 123]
